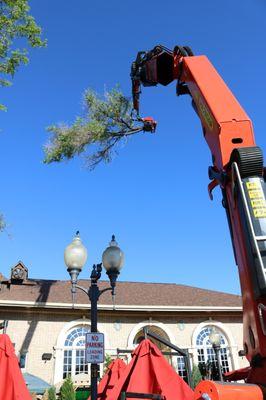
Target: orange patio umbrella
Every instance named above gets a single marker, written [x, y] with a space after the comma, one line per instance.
[150, 373]
[12, 384]
[110, 378]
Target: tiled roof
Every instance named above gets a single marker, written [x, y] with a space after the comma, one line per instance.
[127, 294]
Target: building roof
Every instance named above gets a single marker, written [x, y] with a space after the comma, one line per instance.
[129, 295]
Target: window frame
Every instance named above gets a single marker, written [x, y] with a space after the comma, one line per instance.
[72, 345]
[205, 351]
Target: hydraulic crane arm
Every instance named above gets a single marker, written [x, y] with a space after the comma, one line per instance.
[225, 123]
[237, 168]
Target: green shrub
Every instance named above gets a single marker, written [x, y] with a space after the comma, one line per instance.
[67, 391]
[107, 361]
[52, 393]
[196, 376]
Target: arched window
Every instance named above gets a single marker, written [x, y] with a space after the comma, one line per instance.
[205, 350]
[153, 329]
[74, 352]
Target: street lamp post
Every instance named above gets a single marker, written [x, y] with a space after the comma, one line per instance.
[112, 259]
[215, 339]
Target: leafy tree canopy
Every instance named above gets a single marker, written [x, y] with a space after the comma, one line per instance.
[106, 122]
[15, 24]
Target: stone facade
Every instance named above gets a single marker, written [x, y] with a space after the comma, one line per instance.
[49, 333]
[36, 332]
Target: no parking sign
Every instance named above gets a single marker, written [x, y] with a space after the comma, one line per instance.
[94, 352]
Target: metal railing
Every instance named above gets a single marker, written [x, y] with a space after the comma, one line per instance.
[3, 325]
[181, 352]
[177, 352]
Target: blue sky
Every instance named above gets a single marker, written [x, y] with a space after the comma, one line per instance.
[153, 196]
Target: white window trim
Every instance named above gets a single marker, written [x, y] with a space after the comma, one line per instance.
[151, 323]
[138, 327]
[228, 335]
[60, 345]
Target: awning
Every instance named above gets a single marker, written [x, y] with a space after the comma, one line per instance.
[150, 373]
[12, 384]
[111, 377]
[35, 384]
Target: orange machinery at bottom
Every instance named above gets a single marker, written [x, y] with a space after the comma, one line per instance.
[211, 390]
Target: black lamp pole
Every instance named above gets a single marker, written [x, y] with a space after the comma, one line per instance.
[75, 258]
[94, 293]
[217, 349]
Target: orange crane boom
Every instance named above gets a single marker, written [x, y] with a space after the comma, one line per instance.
[238, 170]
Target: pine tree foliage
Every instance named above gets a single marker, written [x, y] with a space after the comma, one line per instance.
[67, 391]
[196, 376]
[16, 24]
[107, 361]
[107, 121]
[52, 393]
[2, 223]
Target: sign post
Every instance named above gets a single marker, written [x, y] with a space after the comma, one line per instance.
[94, 353]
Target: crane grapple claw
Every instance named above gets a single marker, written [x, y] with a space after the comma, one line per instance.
[149, 124]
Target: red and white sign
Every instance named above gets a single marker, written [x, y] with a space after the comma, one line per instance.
[94, 348]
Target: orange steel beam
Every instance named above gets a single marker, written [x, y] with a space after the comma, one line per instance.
[225, 124]
[226, 127]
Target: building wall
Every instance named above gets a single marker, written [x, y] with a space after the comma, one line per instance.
[44, 332]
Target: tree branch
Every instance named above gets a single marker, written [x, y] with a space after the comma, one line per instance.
[101, 126]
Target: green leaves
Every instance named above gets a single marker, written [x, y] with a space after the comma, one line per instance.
[106, 122]
[16, 24]
[2, 223]
[2, 107]
[67, 391]
[107, 361]
[196, 376]
[52, 393]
